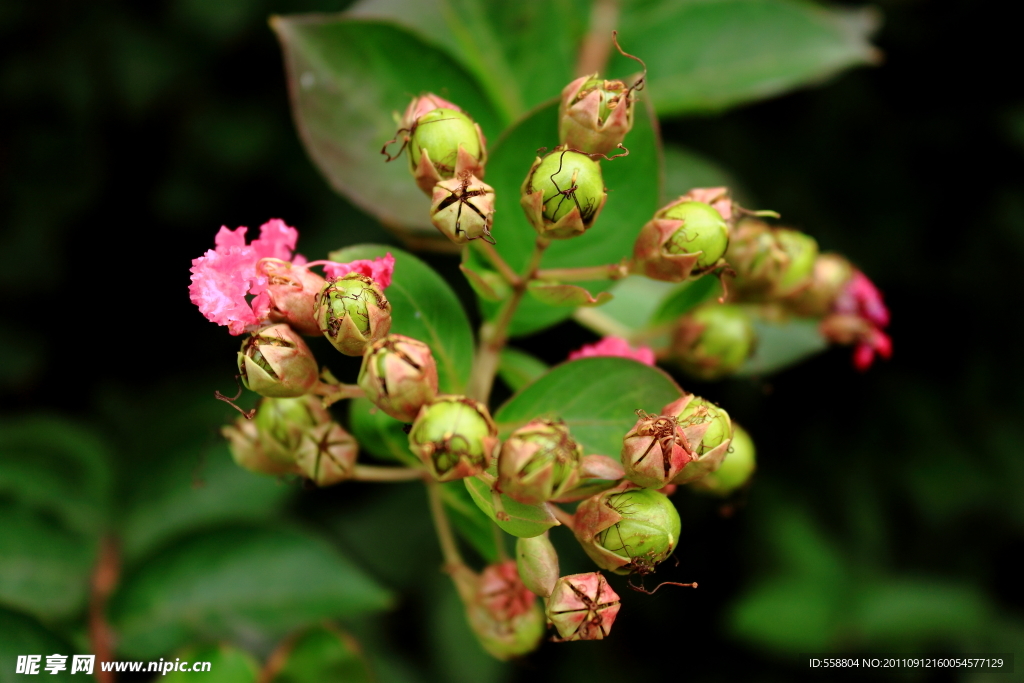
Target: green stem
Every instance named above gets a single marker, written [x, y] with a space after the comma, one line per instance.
[499, 542]
[452, 559]
[566, 519]
[386, 474]
[611, 271]
[496, 260]
[494, 334]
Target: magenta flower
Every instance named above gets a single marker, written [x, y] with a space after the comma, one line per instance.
[861, 301]
[615, 346]
[379, 269]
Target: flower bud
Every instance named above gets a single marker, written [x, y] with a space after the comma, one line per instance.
[248, 451]
[501, 610]
[455, 437]
[399, 376]
[737, 468]
[583, 607]
[655, 450]
[627, 530]
[685, 238]
[282, 422]
[594, 114]
[352, 313]
[801, 251]
[463, 208]
[289, 295]
[327, 454]
[770, 262]
[276, 362]
[538, 462]
[831, 274]
[708, 430]
[713, 340]
[563, 194]
[443, 141]
[537, 562]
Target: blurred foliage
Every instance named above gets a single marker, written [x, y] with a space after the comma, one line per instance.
[886, 514]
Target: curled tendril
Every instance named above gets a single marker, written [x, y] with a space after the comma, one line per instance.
[230, 400]
[638, 85]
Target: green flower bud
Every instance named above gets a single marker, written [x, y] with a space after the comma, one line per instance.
[594, 114]
[399, 375]
[655, 450]
[463, 209]
[801, 251]
[737, 468]
[708, 430]
[247, 449]
[627, 530]
[455, 437]
[538, 462]
[501, 610]
[276, 362]
[563, 194]
[443, 142]
[831, 274]
[327, 454]
[282, 422]
[537, 562]
[583, 607]
[713, 340]
[352, 313]
[685, 238]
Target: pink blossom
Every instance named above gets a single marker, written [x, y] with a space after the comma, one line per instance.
[877, 342]
[225, 275]
[379, 269]
[615, 346]
[860, 298]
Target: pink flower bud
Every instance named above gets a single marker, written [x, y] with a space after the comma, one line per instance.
[289, 295]
[501, 611]
[399, 375]
[583, 607]
[276, 362]
[326, 454]
[594, 114]
[538, 462]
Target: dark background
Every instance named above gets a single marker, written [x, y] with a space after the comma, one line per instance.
[887, 515]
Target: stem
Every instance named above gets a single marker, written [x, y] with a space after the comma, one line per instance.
[493, 335]
[452, 559]
[566, 519]
[611, 271]
[597, 46]
[104, 579]
[386, 474]
[332, 393]
[601, 323]
[495, 259]
[499, 542]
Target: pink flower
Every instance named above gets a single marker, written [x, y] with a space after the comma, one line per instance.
[877, 342]
[225, 275]
[379, 269]
[615, 346]
[861, 299]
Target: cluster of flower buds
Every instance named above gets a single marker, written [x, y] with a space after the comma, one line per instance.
[293, 436]
[447, 156]
[713, 340]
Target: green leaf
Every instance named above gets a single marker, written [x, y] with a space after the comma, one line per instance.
[468, 519]
[517, 368]
[521, 52]
[236, 582]
[23, 635]
[707, 56]
[57, 467]
[229, 664]
[634, 190]
[555, 294]
[685, 297]
[917, 611]
[424, 307]
[596, 397]
[345, 78]
[524, 520]
[379, 433]
[323, 653]
[782, 345]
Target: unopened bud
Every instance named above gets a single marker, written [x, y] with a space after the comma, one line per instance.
[685, 238]
[290, 295]
[655, 450]
[463, 208]
[399, 376]
[801, 251]
[276, 362]
[627, 530]
[327, 454]
[537, 562]
[563, 194]
[352, 313]
[737, 468]
[248, 451]
[594, 114]
[455, 437]
[708, 430]
[538, 462]
[282, 422]
[831, 274]
[770, 262]
[583, 607]
[713, 340]
[501, 610]
[443, 142]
